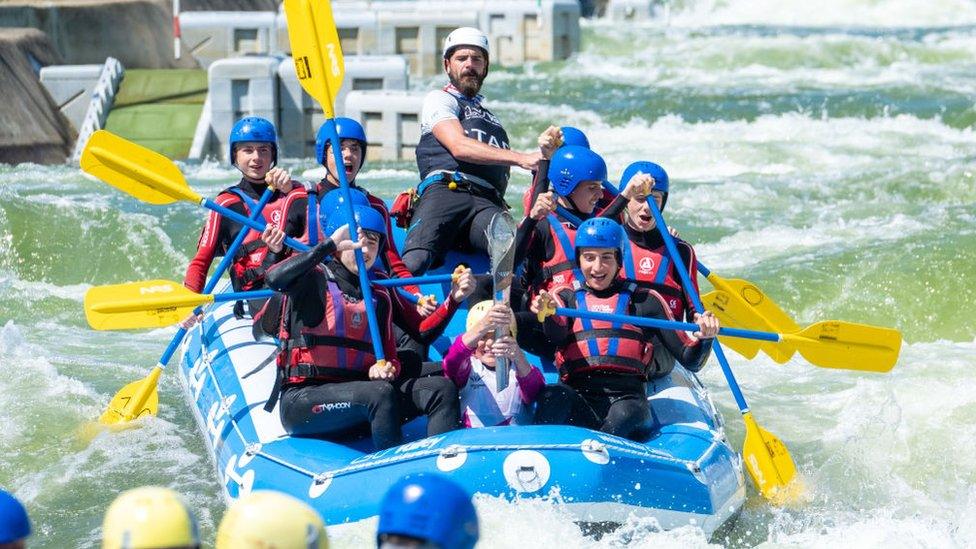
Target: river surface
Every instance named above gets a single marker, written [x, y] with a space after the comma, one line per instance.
[823, 150]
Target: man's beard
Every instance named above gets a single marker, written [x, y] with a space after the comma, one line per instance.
[468, 84]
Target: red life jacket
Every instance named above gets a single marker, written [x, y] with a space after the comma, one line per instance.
[595, 345]
[653, 269]
[338, 349]
[557, 271]
[247, 267]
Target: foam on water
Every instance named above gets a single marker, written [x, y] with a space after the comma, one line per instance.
[845, 13]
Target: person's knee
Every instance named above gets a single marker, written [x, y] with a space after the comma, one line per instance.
[417, 260]
[441, 389]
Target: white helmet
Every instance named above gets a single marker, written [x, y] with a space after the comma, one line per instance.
[465, 36]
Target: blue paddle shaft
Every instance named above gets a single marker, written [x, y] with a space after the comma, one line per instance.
[234, 296]
[416, 280]
[689, 289]
[215, 277]
[374, 331]
[662, 324]
[252, 223]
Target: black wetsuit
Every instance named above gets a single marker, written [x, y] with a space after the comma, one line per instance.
[329, 408]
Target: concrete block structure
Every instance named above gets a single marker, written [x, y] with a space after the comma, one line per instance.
[71, 88]
[213, 35]
[519, 30]
[391, 120]
[299, 116]
[241, 86]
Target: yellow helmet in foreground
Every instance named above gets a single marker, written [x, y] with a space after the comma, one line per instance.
[148, 518]
[478, 311]
[266, 519]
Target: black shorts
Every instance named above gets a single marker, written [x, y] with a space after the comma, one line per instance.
[446, 220]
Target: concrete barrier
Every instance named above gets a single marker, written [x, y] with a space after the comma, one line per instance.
[391, 120]
[213, 35]
[241, 86]
[300, 116]
[519, 31]
[71, 89]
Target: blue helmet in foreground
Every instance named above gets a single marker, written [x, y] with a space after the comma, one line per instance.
[253, 129]
[331, 206]
[600, 232]
[14, 524]
[574, 137]
[367, 219]
[429, 507]
[346, 128]
[572, 165]
[661, 182]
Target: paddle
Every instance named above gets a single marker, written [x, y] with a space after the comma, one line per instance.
[151, 177]
[150, 304]
[141, 396]
[840, 352]
[320, 68]
[767, 459]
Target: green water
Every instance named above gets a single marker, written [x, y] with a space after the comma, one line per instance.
[825, 153]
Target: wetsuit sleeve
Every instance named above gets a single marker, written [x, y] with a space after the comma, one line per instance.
[215, 238]
[457, 363]
[294, 212]
[289, 277]
[691, 353]
[425, 330]
[557, 327]
[614, 208]
[530, 385]
[524, 238]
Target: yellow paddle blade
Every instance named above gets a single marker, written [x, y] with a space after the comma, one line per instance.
[714, 301]
[147, 304]
[847, 345]
[135, 400]
[742, 304]
[769, 463]
[134, 169]
[315, 49]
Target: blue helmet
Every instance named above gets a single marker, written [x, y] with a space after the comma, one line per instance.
[367, 219]
[574, 137]
[255, 130]
[14, 524]
[571, 165]
[600, 232]
[429, 507]
[332, 201]
[346, 128]
[660, 176]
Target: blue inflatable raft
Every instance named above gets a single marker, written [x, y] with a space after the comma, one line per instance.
[685, 473]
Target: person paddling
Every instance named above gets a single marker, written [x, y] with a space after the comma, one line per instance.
[298, 209]
[254, 152]
[330, 382]
[471, 361]
[646, 261]
[604, 366]
[463, 158]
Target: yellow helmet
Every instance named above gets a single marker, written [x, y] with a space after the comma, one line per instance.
[147, 518]
[478, 311]
[266, 519]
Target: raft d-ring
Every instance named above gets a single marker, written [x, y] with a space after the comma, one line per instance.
[451, 458]
[526, 470]
[250, 451]
[319, 485]
[595, 451]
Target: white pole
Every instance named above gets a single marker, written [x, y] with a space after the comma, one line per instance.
[176, 29]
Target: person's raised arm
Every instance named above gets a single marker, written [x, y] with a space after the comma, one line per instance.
[451, 135]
